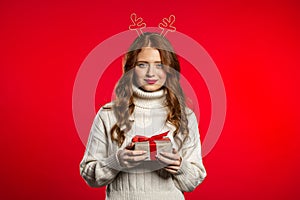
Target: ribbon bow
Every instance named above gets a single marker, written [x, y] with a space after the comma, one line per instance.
[152, 144]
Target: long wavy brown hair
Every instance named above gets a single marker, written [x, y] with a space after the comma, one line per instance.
[123, 105]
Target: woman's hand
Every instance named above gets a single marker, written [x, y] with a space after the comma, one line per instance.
[172, 161]
[131, 158]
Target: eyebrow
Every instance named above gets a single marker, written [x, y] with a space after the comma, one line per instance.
[148, 62]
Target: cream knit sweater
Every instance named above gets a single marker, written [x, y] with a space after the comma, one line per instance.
[100, 166]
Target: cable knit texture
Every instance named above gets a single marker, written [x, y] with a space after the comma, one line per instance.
[100, 166]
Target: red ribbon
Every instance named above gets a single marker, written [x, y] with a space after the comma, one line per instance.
[152, 144]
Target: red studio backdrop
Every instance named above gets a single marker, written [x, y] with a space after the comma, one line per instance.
[255, 45]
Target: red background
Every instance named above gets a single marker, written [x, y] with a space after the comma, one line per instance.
[255, 45]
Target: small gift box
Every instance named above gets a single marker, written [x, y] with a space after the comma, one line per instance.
[153, 145]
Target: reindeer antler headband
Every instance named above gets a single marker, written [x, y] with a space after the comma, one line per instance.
[166, 25]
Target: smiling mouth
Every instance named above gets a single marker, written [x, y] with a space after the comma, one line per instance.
[151, 82]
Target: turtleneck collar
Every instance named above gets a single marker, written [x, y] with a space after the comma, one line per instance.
[145, 99]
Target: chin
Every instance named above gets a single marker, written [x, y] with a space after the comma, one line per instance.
[151, 88]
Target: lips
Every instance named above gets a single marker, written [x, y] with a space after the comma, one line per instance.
[150, 81]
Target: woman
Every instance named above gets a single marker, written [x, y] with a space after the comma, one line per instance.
[149, 101]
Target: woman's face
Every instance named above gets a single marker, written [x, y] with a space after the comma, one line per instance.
[149, 72]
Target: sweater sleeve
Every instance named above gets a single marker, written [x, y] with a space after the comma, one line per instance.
[192, 171]
[99, 168]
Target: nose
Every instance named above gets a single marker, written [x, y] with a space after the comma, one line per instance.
[150, 71]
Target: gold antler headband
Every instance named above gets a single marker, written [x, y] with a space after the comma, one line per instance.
[137, 24]
[166, 25]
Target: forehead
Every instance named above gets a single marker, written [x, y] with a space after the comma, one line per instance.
[149, 54]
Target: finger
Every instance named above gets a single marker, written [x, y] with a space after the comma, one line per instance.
[161, 164]
[163, 160]
[128, 164]
[171, 171]
[136, 158]
[172, 167]
[124, 163]
[170, 156]
[167, 161]
[135, 152]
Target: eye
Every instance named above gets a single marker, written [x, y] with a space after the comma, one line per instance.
[142, 65]
[159, 65]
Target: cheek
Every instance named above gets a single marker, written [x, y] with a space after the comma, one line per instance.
[138, 73]
[138, 76]
[163, 76]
